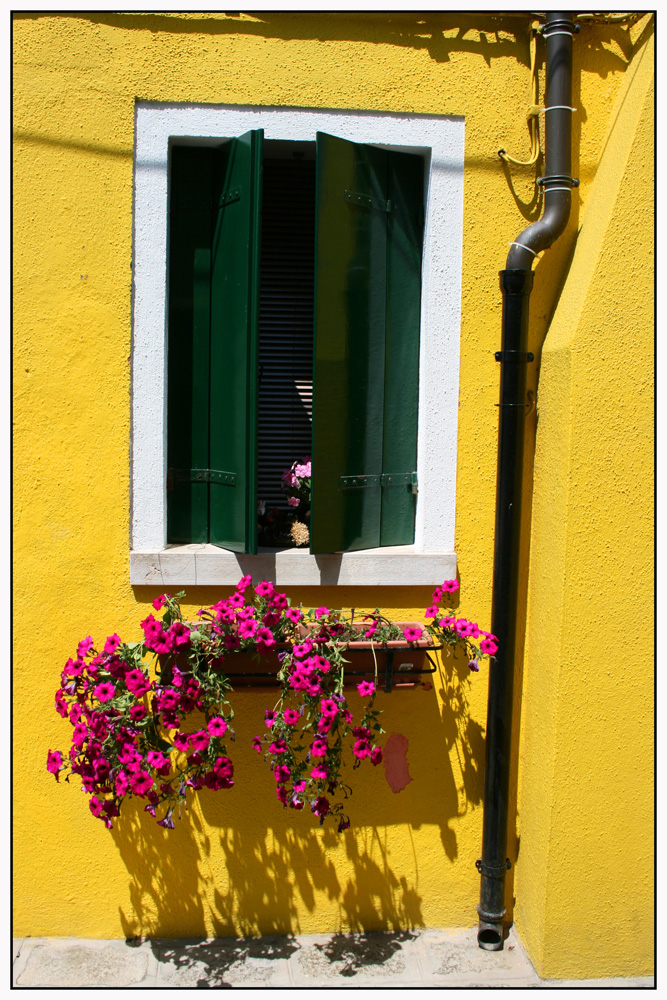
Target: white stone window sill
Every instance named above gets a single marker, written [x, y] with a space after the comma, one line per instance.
[207, 565]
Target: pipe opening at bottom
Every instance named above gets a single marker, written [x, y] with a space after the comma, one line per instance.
[490, 937]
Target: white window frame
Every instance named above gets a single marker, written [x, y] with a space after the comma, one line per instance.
[431, 558]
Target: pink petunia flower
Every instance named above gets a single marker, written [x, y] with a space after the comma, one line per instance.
[84, 647]
[329, 708]
[244, 582]
[257, 744]
[264, 588]
[294, 615]
[269, 718]
[141, 783]
[54, 762]
[376, 756]
[319, 773]
[96, 806]
[138, 712]
[413, 634]
[137, 682]
[293, 501]
[105, 691]
[319, 748]
[321, 612]
[488, 646]
[181, 741]
[432, 611]
[291, 716]
[217, 726]
[112, 644]
[366, 688]
[450, 586]
[200, 740]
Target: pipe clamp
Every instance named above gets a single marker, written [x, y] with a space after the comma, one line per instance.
[492, 871]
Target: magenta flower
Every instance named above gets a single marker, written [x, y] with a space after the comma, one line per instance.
[278, 746]
[157, 760]
[299, 786]
[105, 691]
[181, 741]
[237, 600]
[137, 682]
[320, 807]
[319, 773]
[217, 726]
[488, 646]
[448, 622]
[366, 688]
[376, 756]
[450, 586]
[329, 708]
[302, 649]
[319, 748]
[244, 582]
[112, 644]
[294, 615]
[264, 588]
[96, 806]
[159, 602]
[265, 638]
[179, 633]
[282, 774]
[141, 783]
[413, 634]
[269, 718]
[291, 716]
[54, 762]
[361, 748]
[293, 501]
[325, 724]
[167, 822]
[200, 740]
[248, 628]
[281, 794]
[138, 712]
[321, 612]
[122, 783]
[61, 704]
[84, 647]
[278, 601]
[257, 744]
[432, 611]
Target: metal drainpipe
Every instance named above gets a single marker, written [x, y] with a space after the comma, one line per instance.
[516, 282]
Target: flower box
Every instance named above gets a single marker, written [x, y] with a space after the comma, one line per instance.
[398, 661]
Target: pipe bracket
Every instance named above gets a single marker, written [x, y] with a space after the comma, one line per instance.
[515, 357]
[557, 179]
[492, 871]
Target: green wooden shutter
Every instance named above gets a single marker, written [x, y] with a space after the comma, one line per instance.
[401, 373]
[214, 295]
[235, 254]
[188, 353]
[368, 277]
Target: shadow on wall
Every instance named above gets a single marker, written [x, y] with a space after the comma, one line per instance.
[238, 864]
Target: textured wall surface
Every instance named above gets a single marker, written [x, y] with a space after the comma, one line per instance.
[239, 864]
[584, 883]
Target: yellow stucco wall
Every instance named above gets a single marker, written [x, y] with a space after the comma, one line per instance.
[584, 882]
[241, 864]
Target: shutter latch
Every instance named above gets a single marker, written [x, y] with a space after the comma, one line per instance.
[385, 480]
[366, 201]
[227, 197]
[199, 476]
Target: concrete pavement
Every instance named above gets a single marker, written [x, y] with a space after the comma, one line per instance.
[403, 959]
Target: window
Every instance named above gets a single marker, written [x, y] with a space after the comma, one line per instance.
[424, 150]
[234, 284]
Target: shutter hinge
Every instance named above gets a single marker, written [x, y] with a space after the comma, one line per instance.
[365, 201]
[386, 479]
[227, 197]
[199, 476]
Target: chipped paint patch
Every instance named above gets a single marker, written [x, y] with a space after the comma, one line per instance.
[396, 762]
